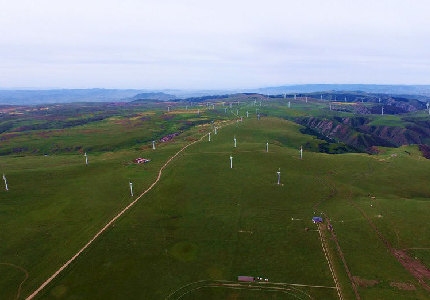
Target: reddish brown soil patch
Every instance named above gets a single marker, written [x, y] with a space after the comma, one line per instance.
[425, 150]
[403, 286]
[414, 266]
[364, 282]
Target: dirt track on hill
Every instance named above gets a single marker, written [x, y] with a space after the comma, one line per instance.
[53, 276]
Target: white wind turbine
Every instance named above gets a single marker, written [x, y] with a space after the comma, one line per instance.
[247, 114]
[231, 162]
[267, 146]
[86, 158]
[234, 139]
[5, 183]
[209, 136]
[279, 175]
[131, 188]
[301, 152]
[153, 145]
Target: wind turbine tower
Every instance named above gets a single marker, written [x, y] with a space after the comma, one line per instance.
[86, 159]
[267, 146]
[5, 183]
[231, 162]
[301, 152]
[209, 136]
[247, 114]
[131, 188]
[153, 145]
[289, 104]
[279, 175]
[234, 139]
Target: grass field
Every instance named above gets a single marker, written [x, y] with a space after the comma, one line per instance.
[204, 224]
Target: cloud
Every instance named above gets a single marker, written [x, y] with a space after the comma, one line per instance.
[212, 44]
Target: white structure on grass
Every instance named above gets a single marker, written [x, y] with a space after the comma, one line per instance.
[247, 114]
[289, 104]
[382, 111]
[131, 188]
[209, 136]
[5, 183]
[267, 146]
[231, 162]
[86, 158]
[153, 145]
[234, 139]
[279, 175]
[301, 152]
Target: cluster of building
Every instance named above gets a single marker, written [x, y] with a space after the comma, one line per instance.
[140, 160]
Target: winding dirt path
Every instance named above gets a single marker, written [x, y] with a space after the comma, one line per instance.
[18, 293]
[53, 276]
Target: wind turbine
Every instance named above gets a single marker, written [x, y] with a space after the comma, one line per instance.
[131, 188]
[86, 158]
[306, 99]
[267, 146]
[295, 97]
[234, 139]
[382, 111]
[247, 114]
[279, 175]
[301, 152]
[289, 104]
[5, 182]
[209, 136]
[153, 145]
[231, 162]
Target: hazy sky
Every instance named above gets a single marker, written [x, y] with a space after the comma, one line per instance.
[212, 44]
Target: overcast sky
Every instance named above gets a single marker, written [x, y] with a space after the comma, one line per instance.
[212, 44]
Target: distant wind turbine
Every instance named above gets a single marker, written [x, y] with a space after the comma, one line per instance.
[131, 188]
[382, 111]
[5, 183]
[301, 152]
[267, 147]
[279, 175]
[86, 158]
[209, 136]
[234, 139]
[231, 162]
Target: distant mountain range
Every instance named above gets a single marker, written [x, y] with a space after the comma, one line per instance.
[21, 97]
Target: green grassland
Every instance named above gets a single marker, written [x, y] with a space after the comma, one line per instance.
[204, 224]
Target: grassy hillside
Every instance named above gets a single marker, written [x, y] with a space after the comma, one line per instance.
[204, 224]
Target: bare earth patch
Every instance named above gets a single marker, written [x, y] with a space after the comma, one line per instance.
[403, 286]
[364, 282]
